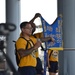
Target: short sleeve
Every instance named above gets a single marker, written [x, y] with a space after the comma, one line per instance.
[21, 43]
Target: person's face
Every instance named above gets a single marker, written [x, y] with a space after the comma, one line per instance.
[27, 29]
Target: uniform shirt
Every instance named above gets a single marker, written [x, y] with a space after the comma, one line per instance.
[29, 60]
[54, 55]
[36, 36]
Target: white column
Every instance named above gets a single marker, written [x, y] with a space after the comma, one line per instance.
[13, 16]
[67, 57]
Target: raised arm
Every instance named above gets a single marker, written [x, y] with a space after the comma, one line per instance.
[32, 21]
[36, 15]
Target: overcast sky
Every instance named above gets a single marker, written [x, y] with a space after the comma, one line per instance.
[47, 8]
[2, 11]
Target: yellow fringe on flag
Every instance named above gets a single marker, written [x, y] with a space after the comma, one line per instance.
[56, 48]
